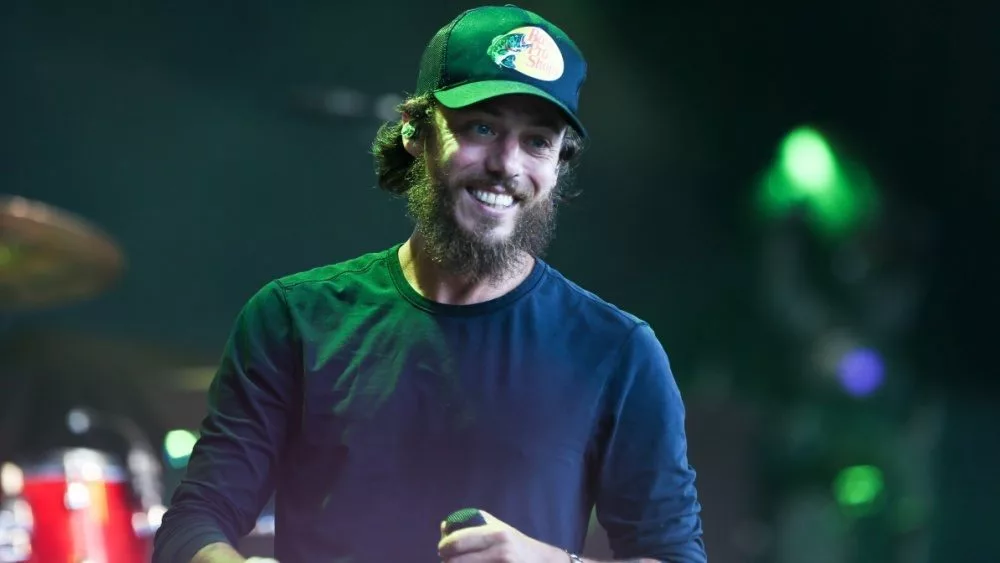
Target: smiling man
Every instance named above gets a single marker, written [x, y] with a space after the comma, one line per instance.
[456, 369]
[482, 191]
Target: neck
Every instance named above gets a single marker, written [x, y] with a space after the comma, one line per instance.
[432, 281]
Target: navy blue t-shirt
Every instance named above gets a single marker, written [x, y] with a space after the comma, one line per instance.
[372, 413]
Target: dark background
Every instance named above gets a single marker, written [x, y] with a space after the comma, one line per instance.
[196, 134]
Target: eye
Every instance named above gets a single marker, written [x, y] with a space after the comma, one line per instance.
[480, 128]
[539, 142]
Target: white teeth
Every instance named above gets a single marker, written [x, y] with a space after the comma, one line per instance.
[490, 198]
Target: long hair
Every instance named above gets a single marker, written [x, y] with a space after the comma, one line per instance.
[393, 163]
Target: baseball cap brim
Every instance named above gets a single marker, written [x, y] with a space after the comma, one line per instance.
[474, 92]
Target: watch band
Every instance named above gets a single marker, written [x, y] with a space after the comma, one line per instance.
[574, 558]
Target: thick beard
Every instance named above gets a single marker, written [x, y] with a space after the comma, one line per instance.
[469, 255]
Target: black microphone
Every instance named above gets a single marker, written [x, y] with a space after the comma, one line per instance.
[464, 518]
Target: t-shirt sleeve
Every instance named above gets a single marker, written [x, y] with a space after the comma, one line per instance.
[647, 501]
[230, 475]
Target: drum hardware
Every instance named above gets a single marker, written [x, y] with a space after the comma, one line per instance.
[76, 504]
[16, 521]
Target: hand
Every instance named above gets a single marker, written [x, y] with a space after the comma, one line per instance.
[495, 542]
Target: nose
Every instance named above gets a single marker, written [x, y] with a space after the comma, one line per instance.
[505, 157]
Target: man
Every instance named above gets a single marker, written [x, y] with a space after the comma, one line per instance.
[457, 369]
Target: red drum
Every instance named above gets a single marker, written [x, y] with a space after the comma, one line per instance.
[83, 510]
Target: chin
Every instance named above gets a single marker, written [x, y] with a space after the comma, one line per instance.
[496, 235]
[483, 234]
[494, 240]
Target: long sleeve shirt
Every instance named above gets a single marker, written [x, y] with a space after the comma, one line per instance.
[371, 413]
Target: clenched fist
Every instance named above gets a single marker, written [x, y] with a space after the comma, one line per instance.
[495, 542]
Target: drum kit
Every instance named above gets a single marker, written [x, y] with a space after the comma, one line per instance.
[74, 504]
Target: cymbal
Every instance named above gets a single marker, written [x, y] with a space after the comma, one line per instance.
[50, 256]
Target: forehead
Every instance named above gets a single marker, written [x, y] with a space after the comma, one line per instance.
[528, 109]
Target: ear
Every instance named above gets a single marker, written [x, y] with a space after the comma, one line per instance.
[413, 141]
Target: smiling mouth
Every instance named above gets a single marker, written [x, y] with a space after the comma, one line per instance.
[492, 199]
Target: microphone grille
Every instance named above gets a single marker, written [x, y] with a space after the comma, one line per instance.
[464, 518]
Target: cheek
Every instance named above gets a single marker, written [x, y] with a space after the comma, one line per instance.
[451, 153]
[463, 164]
[545, 179]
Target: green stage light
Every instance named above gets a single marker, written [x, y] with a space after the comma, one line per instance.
[857, 488]
[808, 162]
[809, 175]
[178, 445]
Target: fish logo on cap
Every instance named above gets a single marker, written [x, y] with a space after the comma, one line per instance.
[530, 51]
